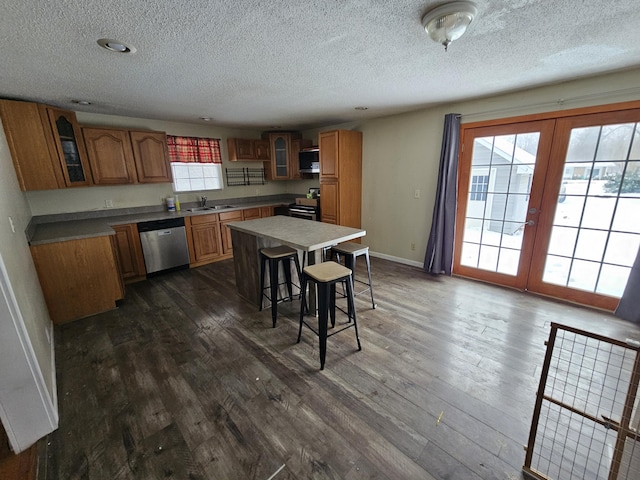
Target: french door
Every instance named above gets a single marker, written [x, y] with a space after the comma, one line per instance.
[552, 206]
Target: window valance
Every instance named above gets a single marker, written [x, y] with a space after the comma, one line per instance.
[194, 149]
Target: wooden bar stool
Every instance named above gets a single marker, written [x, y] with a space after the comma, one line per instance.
[326, 275]
[351, 251]
[276, 255]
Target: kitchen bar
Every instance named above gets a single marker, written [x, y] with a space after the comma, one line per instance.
[304, 235]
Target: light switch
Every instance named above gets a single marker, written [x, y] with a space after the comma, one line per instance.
[416, 193]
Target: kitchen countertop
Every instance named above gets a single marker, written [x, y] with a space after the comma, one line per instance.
[61, 231]
[298, 233]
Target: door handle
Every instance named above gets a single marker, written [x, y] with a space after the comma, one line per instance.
[530, 223]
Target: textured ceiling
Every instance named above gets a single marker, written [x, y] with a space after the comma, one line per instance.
[298, 64]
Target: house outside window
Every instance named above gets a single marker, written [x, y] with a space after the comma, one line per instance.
[479, 187]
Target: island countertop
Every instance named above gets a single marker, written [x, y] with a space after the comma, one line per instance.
[301, 234]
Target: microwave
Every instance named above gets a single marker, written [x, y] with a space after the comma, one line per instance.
[309, 159]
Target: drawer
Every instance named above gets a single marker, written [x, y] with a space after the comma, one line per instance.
[200, 219]
[227, 216]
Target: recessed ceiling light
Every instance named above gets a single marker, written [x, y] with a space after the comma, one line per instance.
[361, 108]
[115, 46]
[205, 119]
[81, 102]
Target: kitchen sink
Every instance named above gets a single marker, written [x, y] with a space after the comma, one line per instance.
[198, 209]
[214, 207]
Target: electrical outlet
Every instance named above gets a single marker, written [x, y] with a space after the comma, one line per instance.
[413, 246]
[416, 193]
[108, 204]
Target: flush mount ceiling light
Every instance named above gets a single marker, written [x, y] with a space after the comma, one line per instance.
[115, 46]
[81, 102]
[448, 22]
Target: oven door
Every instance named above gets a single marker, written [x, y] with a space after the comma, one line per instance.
[301, 213]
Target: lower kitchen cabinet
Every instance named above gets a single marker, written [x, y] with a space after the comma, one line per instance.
[228, 217]
[130, 255]
[266, 211]
[330, 201]
[78, 277]
[251, 213]
[203, 236]
[209, 237]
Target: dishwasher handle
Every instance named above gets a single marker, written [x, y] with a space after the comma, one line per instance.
[160, 224]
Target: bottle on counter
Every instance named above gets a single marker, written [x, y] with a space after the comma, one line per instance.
[171, 204]
[177, 204]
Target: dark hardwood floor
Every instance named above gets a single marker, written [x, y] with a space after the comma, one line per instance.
[186, 380]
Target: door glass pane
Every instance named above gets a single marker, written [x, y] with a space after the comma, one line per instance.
[563, 241]
[615, 141]
[499, 187]
[591, 244]
[600, 194]
[612, 280]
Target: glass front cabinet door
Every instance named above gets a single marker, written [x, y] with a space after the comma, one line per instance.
[70, 147]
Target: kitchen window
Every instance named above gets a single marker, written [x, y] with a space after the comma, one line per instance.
[196, 163]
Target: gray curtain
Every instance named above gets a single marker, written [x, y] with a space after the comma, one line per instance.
[439, 256]
[629, 306]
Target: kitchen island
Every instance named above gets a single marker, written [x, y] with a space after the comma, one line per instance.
[304, 235]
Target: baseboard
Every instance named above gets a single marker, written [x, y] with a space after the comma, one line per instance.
[391, 258]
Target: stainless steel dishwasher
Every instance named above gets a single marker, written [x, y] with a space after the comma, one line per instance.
[164, 244]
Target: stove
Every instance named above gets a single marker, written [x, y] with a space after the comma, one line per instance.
[308, 212]
[307, 208]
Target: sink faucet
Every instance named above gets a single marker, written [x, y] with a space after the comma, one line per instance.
[203, 201]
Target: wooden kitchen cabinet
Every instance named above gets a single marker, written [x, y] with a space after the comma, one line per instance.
[251, 213]
[203, 237]
[297, 144]
[151, 156]
[70, 148]
[329, 202]
[266, 211]
[78, 277]
[129, 248]
[228, 217]
[262, 150]
[247, 150]
[110, 155]
[281, 163]
[46, 146]
[341, 177]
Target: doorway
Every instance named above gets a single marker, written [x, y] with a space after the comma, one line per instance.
[552, 206]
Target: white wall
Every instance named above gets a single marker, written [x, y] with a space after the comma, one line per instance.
[401, 154]
[27, 371]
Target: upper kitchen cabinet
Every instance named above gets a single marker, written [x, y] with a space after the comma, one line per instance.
[248, 150]
[341, 177]
[151, 156]
[297, 145]
[110, 155]
[69, 146]
[120, 156]
[281, 162]
[46, 146]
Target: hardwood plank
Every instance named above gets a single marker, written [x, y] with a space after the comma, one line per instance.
[187, 364]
